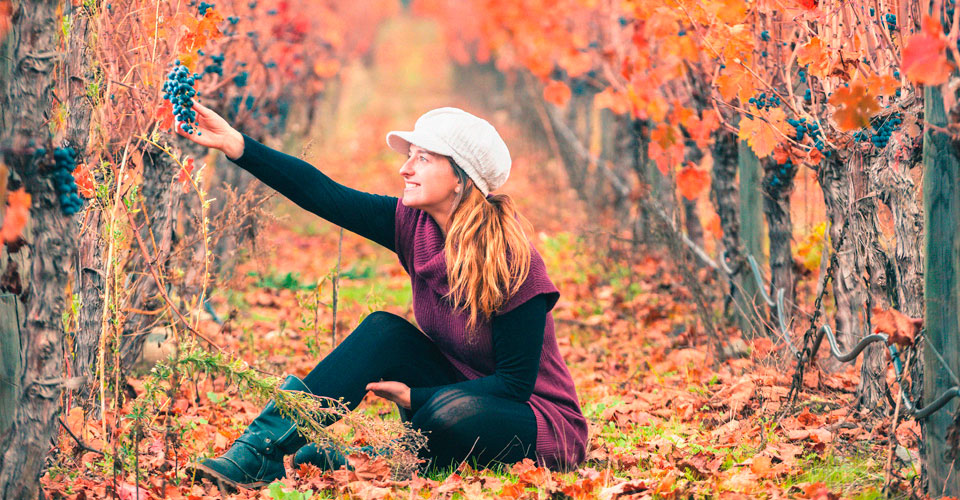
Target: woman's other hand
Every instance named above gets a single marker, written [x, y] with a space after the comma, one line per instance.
[216, 132]
[398, 392]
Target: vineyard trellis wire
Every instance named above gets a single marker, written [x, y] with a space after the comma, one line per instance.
[825, 331]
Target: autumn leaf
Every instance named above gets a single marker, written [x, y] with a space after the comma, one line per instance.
[855, 107]
[184, 177]
[666, 148]
[692, 182]
[701, 129]
[761, 133]
[900, 328]
[736, 82]
[16, 216]
[84, 181]
[557, 93]
[925, 55]
[814, 54]
[575, 62]
[612, 100]
[165, 115]
[882, 85]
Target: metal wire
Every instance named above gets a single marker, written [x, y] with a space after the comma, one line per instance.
[825, 331]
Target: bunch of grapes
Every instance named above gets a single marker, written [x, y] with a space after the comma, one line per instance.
[891, 20]
[203, 7]
[66, 185]
[241, 79]
[216, 66]
[178, 89]
[811, 129]
[762, 102]
[883, 130]
[779, 177]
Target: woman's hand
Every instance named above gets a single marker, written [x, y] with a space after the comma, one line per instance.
[216, 132]
[398, 392]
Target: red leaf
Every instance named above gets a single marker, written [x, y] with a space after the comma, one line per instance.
[925, 55]
[184, 172]
[900, 328]
[165, 115]
[18, 213]
[692, 182]
[84, 181]
[557, 93]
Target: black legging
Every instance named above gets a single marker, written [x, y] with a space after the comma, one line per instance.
[459, 425]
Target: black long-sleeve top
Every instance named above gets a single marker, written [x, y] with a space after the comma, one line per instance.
[517, 335]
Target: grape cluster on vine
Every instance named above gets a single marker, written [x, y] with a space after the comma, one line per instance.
[763, 102]
[216, 66]
[811, 129]
[779, 177]
[241, 79]
[66, 185]
[178, 89]
[883, 129]
[203, 7]
[891, 20]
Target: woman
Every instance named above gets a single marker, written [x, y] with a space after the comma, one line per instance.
[484, 379]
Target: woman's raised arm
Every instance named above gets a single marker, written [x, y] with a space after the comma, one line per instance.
[367, 214]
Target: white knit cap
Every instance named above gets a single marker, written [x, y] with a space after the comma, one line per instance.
[471, 141]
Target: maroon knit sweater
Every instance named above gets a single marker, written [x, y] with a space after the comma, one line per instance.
[561, 426]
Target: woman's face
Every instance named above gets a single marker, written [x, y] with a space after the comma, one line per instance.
[429, 182]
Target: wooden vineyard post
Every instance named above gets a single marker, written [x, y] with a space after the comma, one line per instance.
[10, 318]
[941, 208]
[751, 234]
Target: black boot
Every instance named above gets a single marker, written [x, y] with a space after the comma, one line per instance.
[255, 459]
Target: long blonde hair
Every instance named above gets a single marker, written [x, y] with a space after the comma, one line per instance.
[486, 250]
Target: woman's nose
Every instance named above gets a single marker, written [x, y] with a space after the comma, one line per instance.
[405, 167]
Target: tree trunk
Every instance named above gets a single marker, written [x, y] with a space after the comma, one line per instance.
[848, 291]
[87, 340]
[32, 58]
[777, 186]
[941, 206]
[726, 199]
[161, 197]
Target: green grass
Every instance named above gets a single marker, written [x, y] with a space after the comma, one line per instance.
[858, 475]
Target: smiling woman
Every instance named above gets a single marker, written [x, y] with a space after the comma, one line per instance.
[482, 376]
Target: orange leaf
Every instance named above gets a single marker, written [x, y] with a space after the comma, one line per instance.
[701, 128]
[814, 54]
[925, 55]
[557, 92]
[761, 135]
[612, 100]
[18, 213]
[856, 106]
[883, 85]
[900, 328]
[575, 62]
[713, 226]
[84, 181]
[666, 148]
[165, 115]
[736, 82]
[692, 182]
